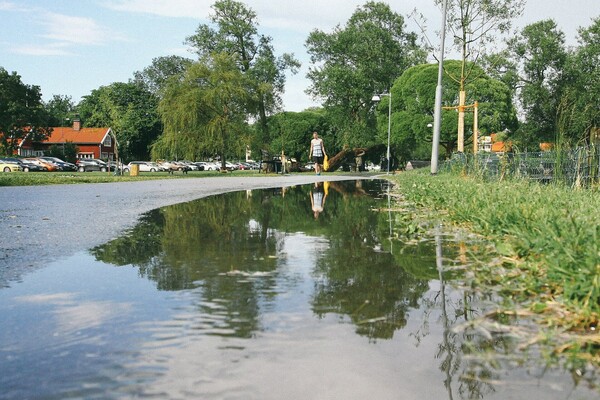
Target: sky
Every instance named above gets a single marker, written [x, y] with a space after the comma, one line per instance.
[71, 47]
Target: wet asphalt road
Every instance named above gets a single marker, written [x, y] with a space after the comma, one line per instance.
[41, 224]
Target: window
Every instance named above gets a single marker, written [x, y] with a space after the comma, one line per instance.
[107, 141]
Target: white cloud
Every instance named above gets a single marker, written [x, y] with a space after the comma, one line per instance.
[290, 15]
[53, 49]
[10, 6]
[165, 8]
[304, 16]
[63, 32]
[80, 30]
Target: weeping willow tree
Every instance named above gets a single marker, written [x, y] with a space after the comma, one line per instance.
[205, 112]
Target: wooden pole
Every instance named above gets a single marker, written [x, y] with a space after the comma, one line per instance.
[475, 127]
[461, 121]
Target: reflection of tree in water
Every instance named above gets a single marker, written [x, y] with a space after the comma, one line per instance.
[228, 246]
[460, 352]
[199, 244]
[222, 244]
[356, 279]
[424, 258]
[368, 287]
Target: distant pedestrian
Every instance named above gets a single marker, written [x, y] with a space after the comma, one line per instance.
[317, 152]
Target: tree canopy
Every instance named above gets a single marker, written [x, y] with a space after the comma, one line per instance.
[131, 112]
[292, 132]
[354, 62]
[235, 32]
[206, 112]
[579, 109]
[540, 55]
[413, 97]
[154, 77]
[60, 110]
[22, 112]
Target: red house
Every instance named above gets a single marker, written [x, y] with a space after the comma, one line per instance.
[90, 142]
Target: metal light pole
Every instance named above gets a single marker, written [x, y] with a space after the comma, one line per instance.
[437, 116]
[377, 98]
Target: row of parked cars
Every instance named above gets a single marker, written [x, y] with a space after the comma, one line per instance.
[38, 164]
[35, 164]
[50, 164]
[151, 166]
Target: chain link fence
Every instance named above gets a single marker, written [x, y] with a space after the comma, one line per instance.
[579, 167]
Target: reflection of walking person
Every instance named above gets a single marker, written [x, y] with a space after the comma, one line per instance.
[317, 199]
[317, 152]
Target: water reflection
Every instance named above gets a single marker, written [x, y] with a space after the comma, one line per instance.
[220, 244]
[318, 195]
[248, 295]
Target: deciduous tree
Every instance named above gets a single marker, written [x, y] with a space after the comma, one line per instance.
[540, 55]
[154, 77]
[353, 62]
[292, 132]
[22, 112]
[475, 25]
[206, 112]
[413, 108]
[131, 112]
[60, 110]
[579, 108]
[236, 33]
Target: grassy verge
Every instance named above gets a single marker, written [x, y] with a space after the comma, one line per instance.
[548, 242]
[53, 178]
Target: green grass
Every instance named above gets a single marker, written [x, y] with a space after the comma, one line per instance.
[547, 236]
[53, 178]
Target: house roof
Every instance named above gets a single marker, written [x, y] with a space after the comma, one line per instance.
[499, 147]
[81, 136]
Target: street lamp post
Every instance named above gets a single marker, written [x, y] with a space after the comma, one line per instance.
[377, 98]
[437, 117]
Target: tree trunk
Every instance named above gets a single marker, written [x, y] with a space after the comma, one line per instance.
[349, 156]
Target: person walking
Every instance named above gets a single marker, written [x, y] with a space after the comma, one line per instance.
[317, 152]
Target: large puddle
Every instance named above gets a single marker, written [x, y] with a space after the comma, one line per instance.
[307, 292]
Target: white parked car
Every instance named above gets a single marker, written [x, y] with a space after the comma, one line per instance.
[210, 166]
[192, 166]
[144, 166]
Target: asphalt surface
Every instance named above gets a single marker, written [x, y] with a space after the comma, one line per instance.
[42, 224]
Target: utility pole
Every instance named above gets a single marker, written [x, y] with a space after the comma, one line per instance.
[437, 117]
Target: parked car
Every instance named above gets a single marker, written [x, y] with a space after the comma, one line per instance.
[9, 166]
[33, 167]
[26, 166]
[46, 166]
[62, 165]
[192, 166]
[209, 166]
[173, 166]
[91, 164]
[252, 165]
[144, 166]
[199, 165]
